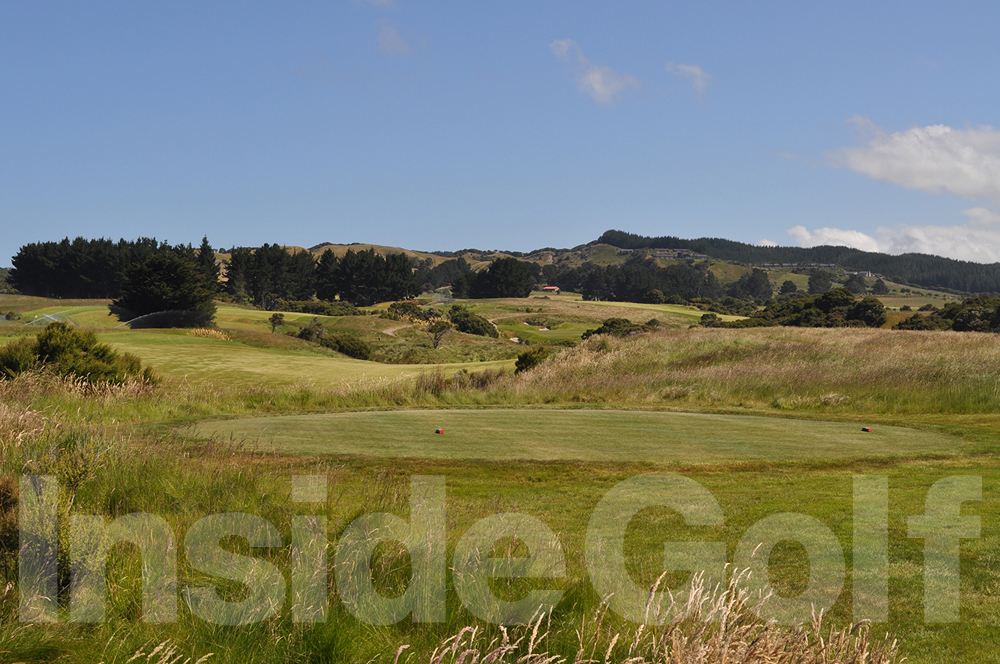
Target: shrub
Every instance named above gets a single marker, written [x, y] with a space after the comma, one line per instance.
[470, 323]
[71, 352]
[531, 359]
[348, 345]
[619, 327]
[18, 356]
[312, 332]
[406, 309]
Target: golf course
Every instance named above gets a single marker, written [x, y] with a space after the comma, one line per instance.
[768, 421]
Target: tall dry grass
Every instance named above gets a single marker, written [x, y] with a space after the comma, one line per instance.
[709, 626]
[861, 370]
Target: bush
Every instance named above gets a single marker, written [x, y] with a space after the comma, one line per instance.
[406, 309]
[18, 356]
[619, 327]
[348, 345]
[531, 359]
[470, 323]
[71, 352]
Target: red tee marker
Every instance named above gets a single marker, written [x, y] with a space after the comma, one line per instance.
[868, 429]
[439, 431]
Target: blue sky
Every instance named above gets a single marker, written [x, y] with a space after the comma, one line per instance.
[511, 125]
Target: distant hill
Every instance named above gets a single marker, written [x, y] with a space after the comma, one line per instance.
[914, 269]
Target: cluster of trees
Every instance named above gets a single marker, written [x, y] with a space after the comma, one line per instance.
[443, 274]
[85, 268]
[169, 290]
[270, 275]
[838, 307]
[974, 314]
[647, 282]
[365, 277]
[918, 269]
[504, 277]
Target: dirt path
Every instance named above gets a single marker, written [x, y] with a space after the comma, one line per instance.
[392, 330]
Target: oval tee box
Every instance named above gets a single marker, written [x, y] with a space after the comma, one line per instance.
[578, 435]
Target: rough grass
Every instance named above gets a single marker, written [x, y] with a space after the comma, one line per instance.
[857, 371]
[710, 626]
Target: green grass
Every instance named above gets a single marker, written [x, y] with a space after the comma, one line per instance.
[576, 435]
[176, 355]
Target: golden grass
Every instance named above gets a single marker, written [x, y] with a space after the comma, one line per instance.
[709, 626]
[208, 333]
[865, 370]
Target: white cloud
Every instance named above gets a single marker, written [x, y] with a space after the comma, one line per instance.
[600, 82]
[766, 243]
[391, 42]
[977, 240]
[937, 158]
[698, 77]
[835, 237]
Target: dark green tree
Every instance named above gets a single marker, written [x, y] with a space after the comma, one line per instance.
[166, 290]
[788, 286]
[327, 276]
[239, 266]
[879, 288]
[820, 282]
[754, 285]
[856, 284]
[869, 311]
[504, 277]
[206, 260]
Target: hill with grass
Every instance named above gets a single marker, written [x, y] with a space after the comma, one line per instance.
[910, 269]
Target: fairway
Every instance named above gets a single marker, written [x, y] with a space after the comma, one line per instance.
[174, 354]
[549, 435]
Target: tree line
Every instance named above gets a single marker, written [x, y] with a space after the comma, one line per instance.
[83, 268]
[914, 269]
[147, 273]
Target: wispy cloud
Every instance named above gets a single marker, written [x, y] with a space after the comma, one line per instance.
[978, 239]
[695, 75]
[600, 82]
[936, 158]
[391, 42]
